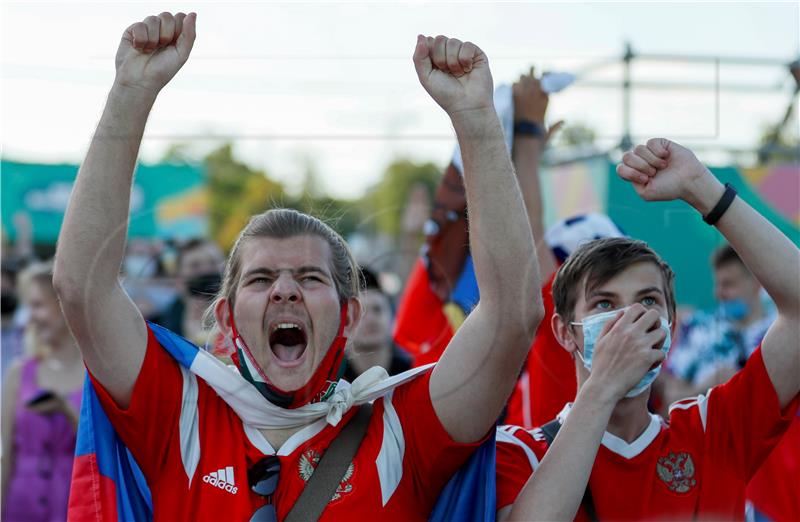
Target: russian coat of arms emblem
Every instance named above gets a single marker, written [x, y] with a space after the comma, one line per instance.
[308, 462]
[676, 470]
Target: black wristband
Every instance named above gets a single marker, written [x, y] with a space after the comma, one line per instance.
[722, 205]
[528, 128]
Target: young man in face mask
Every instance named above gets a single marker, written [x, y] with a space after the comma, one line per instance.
[614, 305]
[244, 448]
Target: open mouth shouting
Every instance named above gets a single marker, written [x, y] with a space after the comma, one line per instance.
[288, 341]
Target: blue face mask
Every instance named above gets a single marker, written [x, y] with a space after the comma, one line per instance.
[735, 309]
[593, 325]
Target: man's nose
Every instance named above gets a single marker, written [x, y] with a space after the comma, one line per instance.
[285, 290]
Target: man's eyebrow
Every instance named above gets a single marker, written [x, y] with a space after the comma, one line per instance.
[311, 268]
[649, 290]
[298, 271]
[258, 271]
[600, 293]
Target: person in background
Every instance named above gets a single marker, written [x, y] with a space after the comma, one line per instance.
[199, 274]
[15, 257]
[11, 331]
[372, 341]
[714, 346]
[40, 405]
[145, 277]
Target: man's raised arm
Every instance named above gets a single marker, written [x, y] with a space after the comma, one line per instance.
[109, 329]
[477, 372]
[663, 170]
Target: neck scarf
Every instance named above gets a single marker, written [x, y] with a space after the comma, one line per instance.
[321, 385]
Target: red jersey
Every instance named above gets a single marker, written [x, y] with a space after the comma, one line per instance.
[774, 489]
[697, 466]
[404, 461]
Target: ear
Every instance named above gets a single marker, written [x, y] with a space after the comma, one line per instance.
[354, 311]
[563, 333]
[223, 316]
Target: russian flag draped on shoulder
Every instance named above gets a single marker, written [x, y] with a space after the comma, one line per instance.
[108, 485]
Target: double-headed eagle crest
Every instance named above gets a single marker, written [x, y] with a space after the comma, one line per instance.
[677, 472]
[308, 462]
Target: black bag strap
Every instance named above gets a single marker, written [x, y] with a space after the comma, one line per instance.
[550, 430]
[332, 466]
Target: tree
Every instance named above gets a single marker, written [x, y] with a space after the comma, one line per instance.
[383, 205]
[236, 193]
[576, 135]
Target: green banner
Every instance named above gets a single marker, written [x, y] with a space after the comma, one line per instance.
[167, 201]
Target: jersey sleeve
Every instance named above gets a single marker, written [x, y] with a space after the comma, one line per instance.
[518, 455]
[149, 424]
[431, 455]
[744, 415]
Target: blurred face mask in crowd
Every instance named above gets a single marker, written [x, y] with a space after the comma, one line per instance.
[138, 265]
[736, 290]
[592, 326]
[734, 309]
[8, 304]
[204, 286]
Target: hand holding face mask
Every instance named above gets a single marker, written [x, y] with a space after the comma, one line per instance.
[618, 347]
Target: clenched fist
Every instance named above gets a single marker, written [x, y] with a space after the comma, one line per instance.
[153, 50]
[455, 73]
[662, 170]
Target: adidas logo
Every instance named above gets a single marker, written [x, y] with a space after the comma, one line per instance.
[222, 479]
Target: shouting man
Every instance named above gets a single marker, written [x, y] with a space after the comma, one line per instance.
[209, 449]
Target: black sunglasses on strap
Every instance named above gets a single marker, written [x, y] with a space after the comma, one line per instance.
[263, 480]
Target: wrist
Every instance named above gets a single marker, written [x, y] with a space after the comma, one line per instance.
[529, 146]
[603, 394]
[472, 118]
[538, 119]
[704, 192]
[530, 129]
[134, 94]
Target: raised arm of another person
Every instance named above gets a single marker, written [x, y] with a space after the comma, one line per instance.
[530, 140]
[108, 327]
[662, 170]
[477, 372]
[623, 355]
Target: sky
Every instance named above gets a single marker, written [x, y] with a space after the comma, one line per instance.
[332, 85]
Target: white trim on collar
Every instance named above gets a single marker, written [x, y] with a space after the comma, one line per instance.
[618, 445]
[623, 449]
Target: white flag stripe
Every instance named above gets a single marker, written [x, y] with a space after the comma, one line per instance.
[229, 475]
